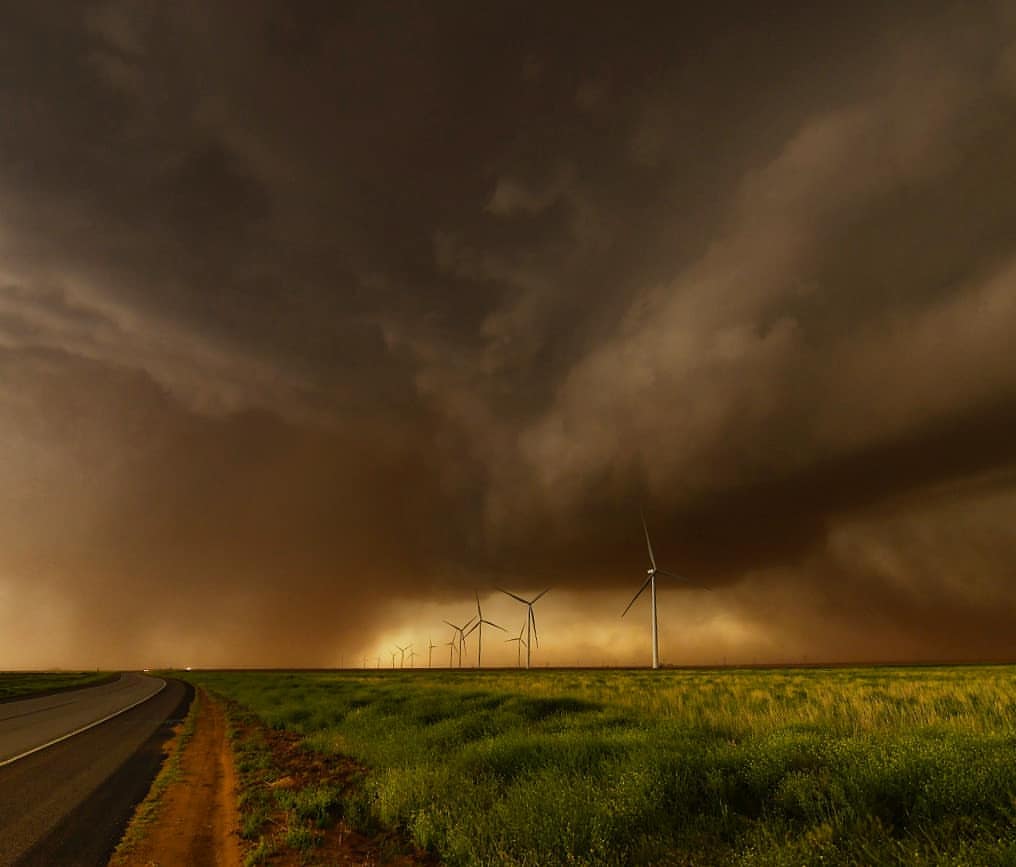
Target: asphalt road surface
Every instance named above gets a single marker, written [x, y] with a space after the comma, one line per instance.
[68, 803]
[34, 722]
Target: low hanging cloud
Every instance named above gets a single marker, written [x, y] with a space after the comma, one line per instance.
[307, 321]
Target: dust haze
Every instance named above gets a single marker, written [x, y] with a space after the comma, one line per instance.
[313, 320]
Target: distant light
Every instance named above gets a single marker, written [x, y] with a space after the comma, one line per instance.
[188, 668]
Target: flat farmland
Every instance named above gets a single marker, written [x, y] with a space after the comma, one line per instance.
[23, 684]
[873, 765]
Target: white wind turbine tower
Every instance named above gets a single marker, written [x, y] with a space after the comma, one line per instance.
[650, 582]
[479, 625]
[521, 641]
[462, 635]
[451, 650]
[530, 621]
[402, 650]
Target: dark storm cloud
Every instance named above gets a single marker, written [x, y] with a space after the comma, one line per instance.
[296, 301]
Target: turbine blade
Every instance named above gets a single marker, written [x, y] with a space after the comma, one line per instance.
[513, 596]
[532, 619]
[452, 625]
[490, 623]
[478, 611]
[645, 584]
[472, 629]
[537, 599]
[687, 581]
[649, 544]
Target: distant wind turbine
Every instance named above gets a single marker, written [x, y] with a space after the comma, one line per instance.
[402, 650]
[412, 656]
[520, 640]
[650, 582]
[530, 621]
[393, 658]
[430, 651]
[461, 630]
[479, 626]
[451, 650]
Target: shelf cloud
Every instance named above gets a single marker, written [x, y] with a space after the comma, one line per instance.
[311, 314]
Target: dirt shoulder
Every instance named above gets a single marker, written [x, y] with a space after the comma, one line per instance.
[190, 814]
[233, 791]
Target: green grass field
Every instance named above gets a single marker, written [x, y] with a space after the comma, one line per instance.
[836, 766]
[22, 684]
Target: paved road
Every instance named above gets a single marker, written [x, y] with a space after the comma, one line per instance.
[68, 803]
[33, 722]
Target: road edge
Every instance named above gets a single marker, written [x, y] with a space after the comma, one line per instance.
[134, 776]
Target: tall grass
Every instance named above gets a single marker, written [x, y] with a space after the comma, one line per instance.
[858, 766]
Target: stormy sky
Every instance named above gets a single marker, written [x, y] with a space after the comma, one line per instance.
[316, 317]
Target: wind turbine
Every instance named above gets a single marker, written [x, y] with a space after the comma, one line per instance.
[650, 582]
[393, 659]
[402, 650]
[430, 651]
[451, 650]
[462, 635]
[412, 656]
[530, 621]
[521, 641]
[479, 625]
